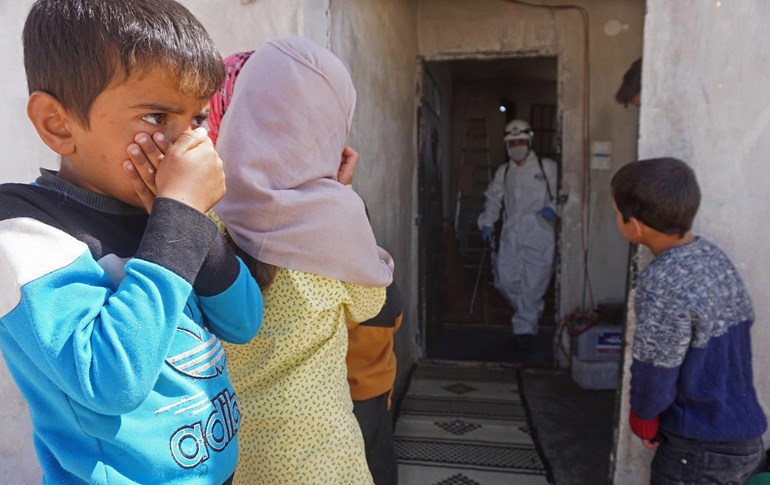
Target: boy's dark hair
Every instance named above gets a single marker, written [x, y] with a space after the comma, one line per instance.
[662, 193]
[632, 83]
[75, 49]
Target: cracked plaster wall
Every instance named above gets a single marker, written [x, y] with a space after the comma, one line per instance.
[377, 41]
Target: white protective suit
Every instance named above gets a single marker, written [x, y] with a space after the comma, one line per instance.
[524, 258]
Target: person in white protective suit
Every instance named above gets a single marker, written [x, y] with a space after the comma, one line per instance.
[524, 190]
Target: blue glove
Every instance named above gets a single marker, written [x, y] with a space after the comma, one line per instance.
[547, 213]
[486, 234]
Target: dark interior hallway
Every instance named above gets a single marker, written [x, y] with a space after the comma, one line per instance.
[483, 332]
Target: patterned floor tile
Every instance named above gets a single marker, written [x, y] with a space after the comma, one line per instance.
[459, 388]
[509, 432]
[457, 426]
[422, 475]
[447, 406]
[458, 479]
[468, 389]
[484, 456]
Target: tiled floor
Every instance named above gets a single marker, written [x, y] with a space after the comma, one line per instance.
[461, 425]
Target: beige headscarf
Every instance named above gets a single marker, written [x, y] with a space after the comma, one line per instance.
[281, 143]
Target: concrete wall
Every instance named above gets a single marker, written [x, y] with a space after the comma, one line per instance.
[237, 27]
[454, 29]
[23, 154]
[377, 41]
[705, 100]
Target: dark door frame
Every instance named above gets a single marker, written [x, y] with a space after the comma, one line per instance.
[429, 221]
[429, 320]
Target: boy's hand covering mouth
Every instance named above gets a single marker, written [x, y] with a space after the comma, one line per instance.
[189, 170]
[144, 159]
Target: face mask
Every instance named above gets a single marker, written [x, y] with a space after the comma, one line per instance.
[518, 153]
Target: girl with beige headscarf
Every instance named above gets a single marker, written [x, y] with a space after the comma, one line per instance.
[307, 239]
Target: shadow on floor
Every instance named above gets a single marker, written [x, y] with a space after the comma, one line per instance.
[490, 343]
[574, 426]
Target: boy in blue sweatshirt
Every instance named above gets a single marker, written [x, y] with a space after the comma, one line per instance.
[692, 391]
[115, 288]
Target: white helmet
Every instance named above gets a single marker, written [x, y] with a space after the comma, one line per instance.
[518, 130]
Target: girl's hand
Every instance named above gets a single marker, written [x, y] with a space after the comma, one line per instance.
[347, 166]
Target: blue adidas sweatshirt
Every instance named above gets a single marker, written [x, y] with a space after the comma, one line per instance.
[692, 347]
[110, 323]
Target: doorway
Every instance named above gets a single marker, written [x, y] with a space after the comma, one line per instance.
[464, 107]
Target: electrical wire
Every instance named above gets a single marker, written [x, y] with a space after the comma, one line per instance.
[585, 209]
[575, 323]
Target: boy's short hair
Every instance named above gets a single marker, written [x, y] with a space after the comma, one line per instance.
[75, 49]
[662, 193]
[632, 83]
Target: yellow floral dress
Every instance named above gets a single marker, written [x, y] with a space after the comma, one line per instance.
[297, 422]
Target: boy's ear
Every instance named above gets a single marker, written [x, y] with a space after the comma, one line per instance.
[51, 122]
[638, 228]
